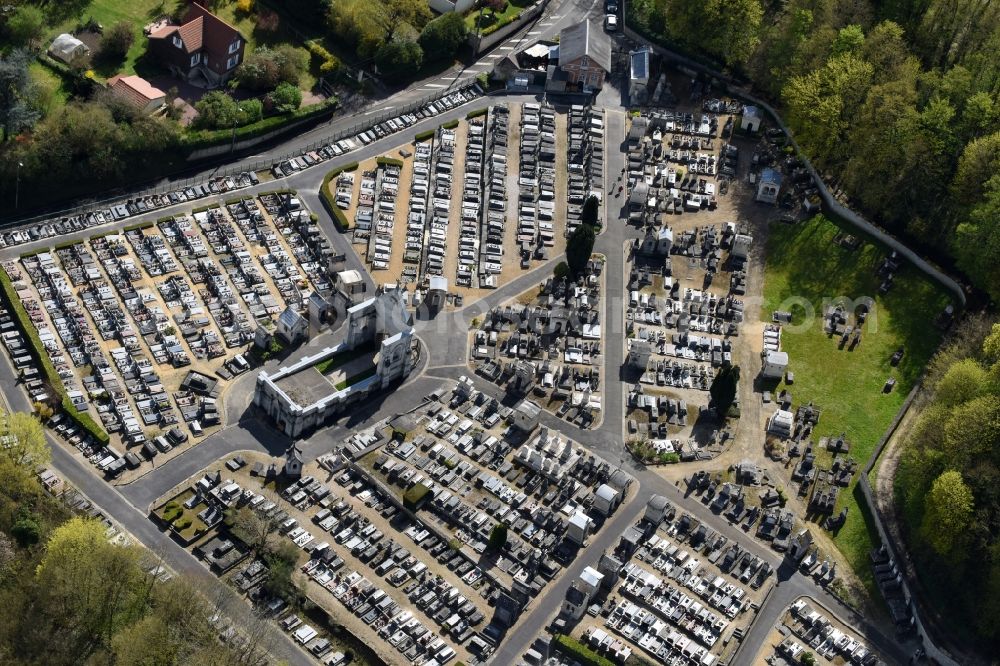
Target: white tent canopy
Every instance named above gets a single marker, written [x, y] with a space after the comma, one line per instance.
[68, 48]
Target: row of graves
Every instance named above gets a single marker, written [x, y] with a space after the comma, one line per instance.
[819, 483]
[130, 394]
[364, 214]
[129, 208]
[495, 194]
[361, 536]
[470, 247]
[585, 160]
[551, 347]
[439, 212]
[379, 247]
[675, 162]
[537, 182]
[417, 217]
[813, 632]
[550, 492]
[672, 588]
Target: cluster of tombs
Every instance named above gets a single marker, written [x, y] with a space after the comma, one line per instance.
[821, 485]
[550, 347]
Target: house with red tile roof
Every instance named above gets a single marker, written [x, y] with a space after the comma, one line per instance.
[137, 92]
[203, 49]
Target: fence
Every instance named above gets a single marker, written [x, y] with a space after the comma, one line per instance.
[179, 180]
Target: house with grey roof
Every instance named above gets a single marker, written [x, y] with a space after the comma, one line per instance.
[584, 57]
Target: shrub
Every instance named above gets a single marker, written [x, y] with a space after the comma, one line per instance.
[443, 36]
[117, 40]
[328, 63]
[244, 6]
[580, 652]
[265, 68]
[388, 161]
[26, 25]
[267, 21]
[327, 197]
[26, 531]
[451, 124]
[285, 98]
[475, 114]
[182, 524]
[423, 136]
[399, 58]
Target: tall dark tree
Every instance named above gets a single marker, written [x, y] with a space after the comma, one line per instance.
[723, 389]
[579, 247]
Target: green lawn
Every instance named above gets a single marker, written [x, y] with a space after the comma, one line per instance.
[109, 12]
[803, 262]
[326, 366]
[490, 18]
[55, 96]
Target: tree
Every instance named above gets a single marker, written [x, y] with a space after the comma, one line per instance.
[27, 445]
[962, 382]
[285, 98]
[281, 559]
[561, 270]
[266, 67]
[17, 112]
[89, 586]
[723, 389]
[808, 659]
[579, 247]
[498, 537]
[948, 511]
[253, 527]
[399, 58]
[117, 40]
[217, 110]
[26, 26]
[850, 39]
[443, 36]
[26, 530]
[589, 214]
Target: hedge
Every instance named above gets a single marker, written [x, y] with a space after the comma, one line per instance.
[140, 225]
[279, 192]
[423, 136]
[327, 197]
[475, 114]
[507, 20]
[202, 209]
[208, 138]
[580, 652]
[38, 352]
[451, 124]
[66, 244]
[328, 63]
[165, 218]
[388, 161]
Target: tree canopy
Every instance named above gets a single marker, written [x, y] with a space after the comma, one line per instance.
[723, 389]
[579, 247]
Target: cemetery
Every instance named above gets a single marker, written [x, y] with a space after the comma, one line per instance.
[850, 336]
[480, 466]
[671, 590]
[546, 345]
[465, 231]
[146, 327]
[808, 628]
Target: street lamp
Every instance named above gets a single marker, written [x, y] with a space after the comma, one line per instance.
[232, 145]
[17, 186]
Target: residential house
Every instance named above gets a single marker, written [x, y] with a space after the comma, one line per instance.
[203, 49]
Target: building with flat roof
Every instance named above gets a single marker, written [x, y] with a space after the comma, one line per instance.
[379, 349]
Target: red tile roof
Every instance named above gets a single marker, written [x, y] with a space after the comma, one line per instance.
[201, 29]
[135, 90]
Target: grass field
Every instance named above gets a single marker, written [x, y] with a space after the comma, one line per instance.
[109, 12]
[805, 264]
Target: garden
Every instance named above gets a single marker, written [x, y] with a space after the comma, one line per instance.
[185, 523]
